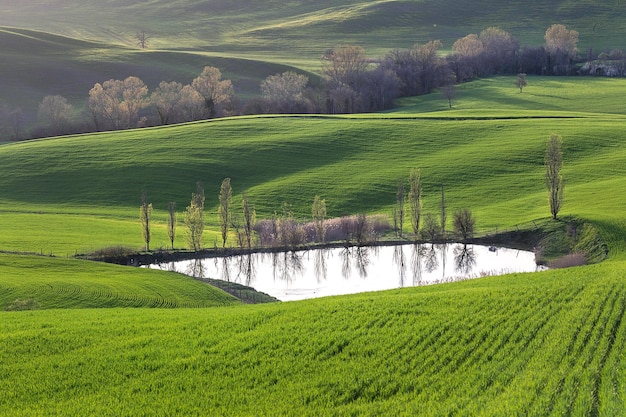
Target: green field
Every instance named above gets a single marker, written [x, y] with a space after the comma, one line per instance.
[548, 343]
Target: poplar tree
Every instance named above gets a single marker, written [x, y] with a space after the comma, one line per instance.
[225, 198]
[249, 218]
[171, 222]
[194, 218]
[145, 211]
[415, 199]
[554, 179]
[318, 211]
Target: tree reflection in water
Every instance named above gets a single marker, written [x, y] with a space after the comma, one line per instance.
[288, 266]
[430, 259]
[321, 268]
[416, 263]
[398, 260]
[195, 268]
[464, 259]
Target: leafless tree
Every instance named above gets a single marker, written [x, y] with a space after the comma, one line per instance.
[194, 218]
[415, 199]
[554, 179]
[171, 222]
[224, 211]
[344, 65]
[217, 93]
[443, 212]
[115, 104]
[285, 92]
[145, 213]
[430, 230]
[448, 91]
[399, 209]
[520, 81]
[55, 113]
[142, 38]
[318, 212]
[464, 223]
[11, 122]
[249, 218]
[561, 45]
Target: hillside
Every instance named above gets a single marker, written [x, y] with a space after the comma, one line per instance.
[548, 343]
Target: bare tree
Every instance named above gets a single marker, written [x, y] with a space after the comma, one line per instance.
[499, 50]
[171, 222]
[554, 179]
[285, 92]
[399, 209]
[448, 91]
[561, 45]
[165, 99]
[344, 65]
[464, 223]
[145, 213]
[318, 212]
[142, 38]
[55, 113]
[216, 92]
[225, 201]
[430, 230]
[249, 219]
[415, 199]
[194, 218]
[443, 212]
[520, 81]
[115, 104]
[11, 121]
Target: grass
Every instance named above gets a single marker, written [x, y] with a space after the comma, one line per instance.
[548, 343]
[534, 344]
[70, 284]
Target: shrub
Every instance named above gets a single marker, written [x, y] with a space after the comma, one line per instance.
[568, 261]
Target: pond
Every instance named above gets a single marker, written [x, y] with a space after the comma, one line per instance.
[299, 275]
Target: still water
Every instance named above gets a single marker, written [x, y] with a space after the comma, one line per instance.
[322, 272]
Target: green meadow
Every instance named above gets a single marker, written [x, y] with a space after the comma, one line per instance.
[111, 340]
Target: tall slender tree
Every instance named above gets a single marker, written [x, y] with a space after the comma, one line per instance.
[171, 222]
[249, 218]
[194, 218]
[399, 210]
[444, 215]
[145, 211]
[554, 179]
[415, 199]
[225, 199]
[318, 211]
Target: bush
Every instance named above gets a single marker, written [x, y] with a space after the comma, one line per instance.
[568, 261]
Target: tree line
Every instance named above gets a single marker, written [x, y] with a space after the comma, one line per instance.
[352, 83]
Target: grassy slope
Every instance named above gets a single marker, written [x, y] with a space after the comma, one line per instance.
[536, 344]
[533, 344]
[53, 283]
[352, 162]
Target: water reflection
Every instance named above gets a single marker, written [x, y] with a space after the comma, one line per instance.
[306, 274]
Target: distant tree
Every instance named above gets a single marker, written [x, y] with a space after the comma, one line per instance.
[11, 122]
[561, 45]
[145, 213]
[225, 201]
[464, 223]
[318, 212]
[55, 114]
[217, 93]
[554, 179]
[520, 81]
[285, 92]
[194, 218]
[344, 65]
[115, 104]
[171, 222]
[142, 38]
[399, 209]
[249, 219]
[448, 91]
[165, 99]
[415, 199]
[499, 50]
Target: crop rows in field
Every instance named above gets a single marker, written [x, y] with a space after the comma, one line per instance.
[541, 344]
